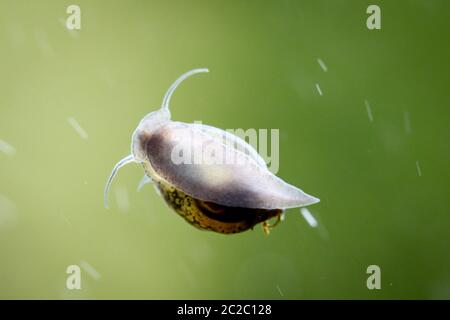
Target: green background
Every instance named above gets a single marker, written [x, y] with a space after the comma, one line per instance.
[375, 207]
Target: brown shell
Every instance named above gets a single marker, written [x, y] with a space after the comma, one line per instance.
[213, 217]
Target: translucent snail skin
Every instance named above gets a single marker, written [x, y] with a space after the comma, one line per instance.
[226, 197]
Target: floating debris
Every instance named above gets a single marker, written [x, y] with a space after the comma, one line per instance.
[309, 217]
[66, 220]
[419, 171]
[318, 89]
[62, 21]
[369, 110]
[407, 122]
[323, 232]
[90, 270]
[8, 212]
[6, 148]
[122, 199]
[200, 254]
[72, 32]
[322, 64]
[17, 35]
[279, 290]
[43, 43]
[186, 272]
[74, 123]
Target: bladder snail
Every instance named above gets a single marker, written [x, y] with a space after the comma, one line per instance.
[222, 196]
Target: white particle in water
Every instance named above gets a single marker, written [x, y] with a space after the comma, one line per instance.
[407, 122]
[322, 64]
[6, 148]
[122, 199]
[279, 290]
[8, 212]
[74, 123]
[309, 217]
[419, 171]
[369, 110]
[319, 89]
[90, 270]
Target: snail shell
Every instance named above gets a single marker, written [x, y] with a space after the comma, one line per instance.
[212, 178]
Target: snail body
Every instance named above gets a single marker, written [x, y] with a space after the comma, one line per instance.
[213, 179]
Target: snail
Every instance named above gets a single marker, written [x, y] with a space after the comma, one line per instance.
[228, 196]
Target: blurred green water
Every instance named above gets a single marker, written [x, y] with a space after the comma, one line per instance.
[375, 208]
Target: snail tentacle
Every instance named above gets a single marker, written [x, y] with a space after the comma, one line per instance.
[168, 95]
[120, 164]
